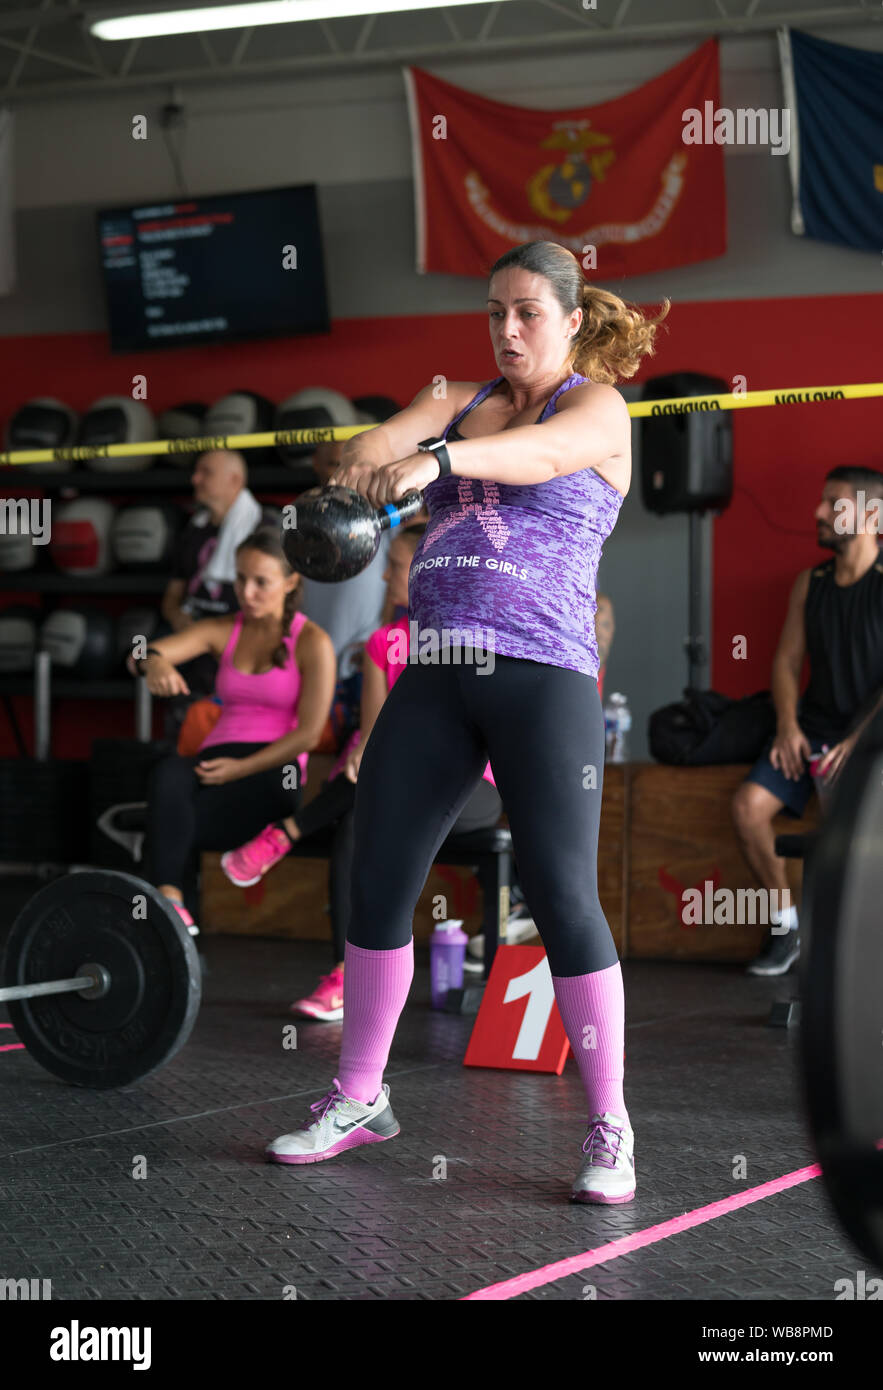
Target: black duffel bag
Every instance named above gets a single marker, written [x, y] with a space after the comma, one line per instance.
[707, 727]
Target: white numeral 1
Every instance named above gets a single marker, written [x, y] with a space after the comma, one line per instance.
[537, 983]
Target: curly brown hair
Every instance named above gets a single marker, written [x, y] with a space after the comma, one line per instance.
[613, 336]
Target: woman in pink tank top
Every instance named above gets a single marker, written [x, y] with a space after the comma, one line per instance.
[275, 682]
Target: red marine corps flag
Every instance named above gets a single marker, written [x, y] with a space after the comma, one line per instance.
[618, 177]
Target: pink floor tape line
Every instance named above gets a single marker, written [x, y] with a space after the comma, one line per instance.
[509, 1288]
[10, 1047]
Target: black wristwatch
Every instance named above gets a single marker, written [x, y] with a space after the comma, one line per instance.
[141, 660]
[440, 449]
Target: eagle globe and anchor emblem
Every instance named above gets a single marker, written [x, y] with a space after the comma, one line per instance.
[557, 190]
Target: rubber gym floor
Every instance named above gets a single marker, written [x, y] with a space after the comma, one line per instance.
[711, 1090]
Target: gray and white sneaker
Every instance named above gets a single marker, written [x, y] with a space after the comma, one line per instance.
[778, 955]
[340, 1123]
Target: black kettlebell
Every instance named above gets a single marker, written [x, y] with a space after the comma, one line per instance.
[337, 531]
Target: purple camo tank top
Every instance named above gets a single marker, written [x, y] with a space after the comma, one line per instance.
[513, 568]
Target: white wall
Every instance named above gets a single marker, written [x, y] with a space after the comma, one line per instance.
[350, 136]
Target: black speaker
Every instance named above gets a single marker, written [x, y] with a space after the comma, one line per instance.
[686, 455]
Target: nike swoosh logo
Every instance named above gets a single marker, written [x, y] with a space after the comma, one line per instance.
[344, 1129]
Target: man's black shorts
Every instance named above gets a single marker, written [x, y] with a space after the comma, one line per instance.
[795, 794]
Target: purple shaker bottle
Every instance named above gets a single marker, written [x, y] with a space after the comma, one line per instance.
[447, 952]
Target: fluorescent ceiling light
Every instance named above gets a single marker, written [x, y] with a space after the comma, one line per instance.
[146, 26]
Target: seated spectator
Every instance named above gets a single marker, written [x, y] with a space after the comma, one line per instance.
[275, 681]
[203, 565]
[835, 617]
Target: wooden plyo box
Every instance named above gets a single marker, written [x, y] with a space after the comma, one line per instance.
[680, 835]
[663, 829]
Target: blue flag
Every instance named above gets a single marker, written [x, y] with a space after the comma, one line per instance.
[836, 97]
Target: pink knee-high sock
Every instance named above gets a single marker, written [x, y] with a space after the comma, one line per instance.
[375, 987]
[592, 1009]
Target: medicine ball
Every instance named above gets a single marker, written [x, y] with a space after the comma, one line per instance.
[18, 639]
[80, 642]
[242, 412]
[181, 422]
[118, 420]
[316, 407]
[135, 623]
[21, 531]
[142, 536]
[80, 541]
[43, 423]
[374, 410]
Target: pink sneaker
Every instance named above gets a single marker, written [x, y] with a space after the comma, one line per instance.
[185, 916]
[326, 1000]
[249, 863]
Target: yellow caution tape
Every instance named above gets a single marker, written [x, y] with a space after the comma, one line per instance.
[200, 444]
[745, 400]
[682, 405]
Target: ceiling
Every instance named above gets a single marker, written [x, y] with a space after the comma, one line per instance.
[47, 52]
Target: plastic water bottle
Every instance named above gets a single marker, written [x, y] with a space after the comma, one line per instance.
[823, 792]
[447, 954]
[617, 722]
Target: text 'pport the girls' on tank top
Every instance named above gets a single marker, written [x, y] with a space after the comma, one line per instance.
[843, 625]
[512, 568]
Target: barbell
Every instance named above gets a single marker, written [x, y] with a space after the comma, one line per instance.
[102, 978]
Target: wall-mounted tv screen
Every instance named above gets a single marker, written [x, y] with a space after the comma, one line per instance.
[207, 270]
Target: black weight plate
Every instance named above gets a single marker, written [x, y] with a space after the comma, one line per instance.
[150, 1009]
[841, 968]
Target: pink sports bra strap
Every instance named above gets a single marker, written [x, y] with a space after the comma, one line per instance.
[232, 640]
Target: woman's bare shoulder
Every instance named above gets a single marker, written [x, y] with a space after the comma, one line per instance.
[313, 641]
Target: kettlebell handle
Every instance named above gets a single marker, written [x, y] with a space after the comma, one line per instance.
[394, 513]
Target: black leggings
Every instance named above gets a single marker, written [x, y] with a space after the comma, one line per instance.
[184, 818]
[543, 727]
[334, 806]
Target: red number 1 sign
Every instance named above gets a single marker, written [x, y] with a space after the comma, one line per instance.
[518, 1025]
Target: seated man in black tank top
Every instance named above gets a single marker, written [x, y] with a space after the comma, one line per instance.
[835, 617]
